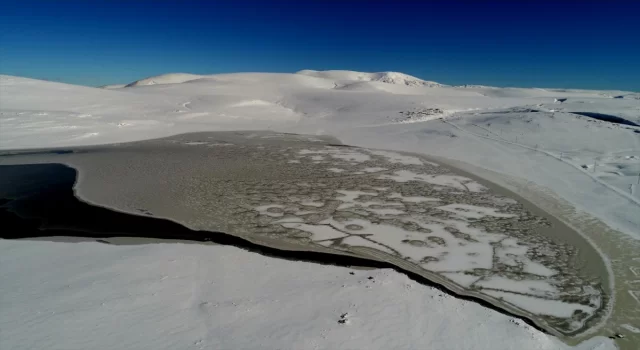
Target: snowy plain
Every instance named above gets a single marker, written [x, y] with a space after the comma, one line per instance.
[91, 295]
[522, 133]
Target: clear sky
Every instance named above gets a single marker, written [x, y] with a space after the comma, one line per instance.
[574, 44]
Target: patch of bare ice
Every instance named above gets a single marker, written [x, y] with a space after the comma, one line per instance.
[394, 157]
[319, 232]
[473, 211]
[455, 181]
[412, 199]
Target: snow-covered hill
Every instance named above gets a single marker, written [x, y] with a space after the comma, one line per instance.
[172, 78]
[384, 77]
[339, 77]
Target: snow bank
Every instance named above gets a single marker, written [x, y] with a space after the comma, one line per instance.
[191, 296]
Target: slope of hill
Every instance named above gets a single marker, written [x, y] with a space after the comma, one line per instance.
[172, 78]
[384, 77]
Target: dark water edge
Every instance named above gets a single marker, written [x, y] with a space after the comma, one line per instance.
[607, 118]
[37, 200]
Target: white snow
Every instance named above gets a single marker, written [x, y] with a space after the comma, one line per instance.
[312, 203]
[535, 268]
[384, 77]
[188, 296]
[459, 182]
[412, 199]
[173, 78]
[264, 210]
[251, 103]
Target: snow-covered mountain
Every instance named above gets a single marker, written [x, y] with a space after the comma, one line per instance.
[384, 77]
[339, 77]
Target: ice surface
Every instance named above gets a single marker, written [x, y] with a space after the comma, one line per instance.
[449, 241]
[319, 232]
[473, 211]
[413, 199]
[394, 157]
[337, 153]
[347, 196]
[462, 279]
[391, 236]
[538, 287]
[535, 268]
[546, 307]
[455, 181]
[386, 211]
[373, 169]
[358, 241]
[312, 203]
[268, 210]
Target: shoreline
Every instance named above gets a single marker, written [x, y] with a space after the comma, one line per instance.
[71, 236]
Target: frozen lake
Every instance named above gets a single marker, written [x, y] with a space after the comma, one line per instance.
[308, 193]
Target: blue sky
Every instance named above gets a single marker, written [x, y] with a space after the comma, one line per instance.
[575, 44]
